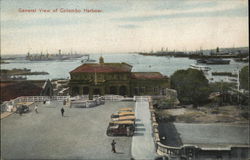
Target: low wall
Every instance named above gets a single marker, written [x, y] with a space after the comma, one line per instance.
[7, 106]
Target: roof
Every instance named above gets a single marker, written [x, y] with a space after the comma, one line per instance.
[12, 89]
[103, 68]
[147, 75]
[16, 89]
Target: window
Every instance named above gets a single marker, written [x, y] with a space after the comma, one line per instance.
[142, 89]
[155, 89]
[136, 90]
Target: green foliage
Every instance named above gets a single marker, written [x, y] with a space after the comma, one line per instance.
[164, 103]
[221, 87]
[191, 85]
[244, 74]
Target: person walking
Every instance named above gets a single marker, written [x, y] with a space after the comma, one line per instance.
[62, 111]
[113, 146]
[36, 109]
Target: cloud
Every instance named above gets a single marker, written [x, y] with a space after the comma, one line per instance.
[236, 12]
[129, 26]
[184, 5]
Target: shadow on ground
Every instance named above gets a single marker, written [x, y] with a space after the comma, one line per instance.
[169, 135]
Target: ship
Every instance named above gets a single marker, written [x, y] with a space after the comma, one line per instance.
[213, 61]
[199, 67]
[52, 57]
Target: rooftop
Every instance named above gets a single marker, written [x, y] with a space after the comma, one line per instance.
[14, 89]
[103, 68]
[147, 75]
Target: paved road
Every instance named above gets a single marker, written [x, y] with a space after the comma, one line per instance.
[142, 142]
[81, 134]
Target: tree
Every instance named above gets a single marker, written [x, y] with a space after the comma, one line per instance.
[244, 75]
[224, 88]
[191, 85]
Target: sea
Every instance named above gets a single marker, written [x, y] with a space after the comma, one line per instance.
[163, 64]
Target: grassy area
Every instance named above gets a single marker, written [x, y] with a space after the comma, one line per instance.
[226, 114]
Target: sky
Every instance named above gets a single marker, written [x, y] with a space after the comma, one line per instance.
[122, 26]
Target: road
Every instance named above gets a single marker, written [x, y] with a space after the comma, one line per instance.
[142, 142]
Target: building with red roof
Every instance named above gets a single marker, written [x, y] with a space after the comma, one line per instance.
[115, 78]
[12, 89]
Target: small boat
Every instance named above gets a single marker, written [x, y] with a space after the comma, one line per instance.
[199, 67]
[217, 61]
[88, 60]
[201, 61]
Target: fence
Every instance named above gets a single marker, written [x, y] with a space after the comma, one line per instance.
[8, 105]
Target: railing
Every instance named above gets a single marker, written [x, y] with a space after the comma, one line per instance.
[40, 98]
[169, 150]
[8, 105]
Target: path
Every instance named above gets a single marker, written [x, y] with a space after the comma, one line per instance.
[143, 147]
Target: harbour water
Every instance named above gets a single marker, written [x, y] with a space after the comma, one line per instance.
[165, 65]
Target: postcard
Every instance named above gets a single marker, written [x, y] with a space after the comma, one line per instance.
[125, 79]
